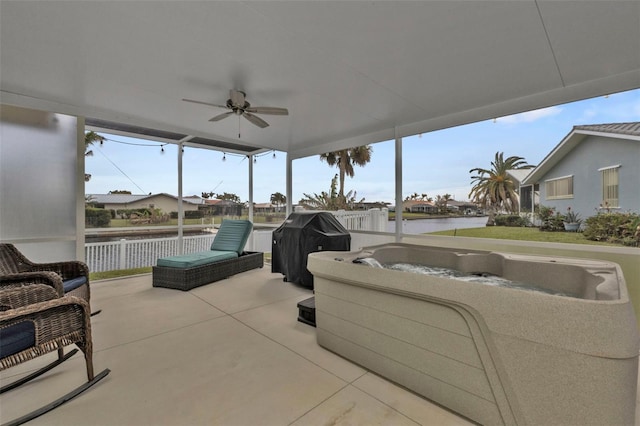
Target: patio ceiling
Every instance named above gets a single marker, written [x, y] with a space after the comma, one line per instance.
[350, 73]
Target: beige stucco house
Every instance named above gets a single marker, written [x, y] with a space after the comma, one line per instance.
[167, 203]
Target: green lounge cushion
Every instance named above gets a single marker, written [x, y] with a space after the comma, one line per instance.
[232, 235]
[196, 259]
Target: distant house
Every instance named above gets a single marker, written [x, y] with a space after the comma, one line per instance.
[419, 206]
[222, 207]
[368, 205]
[593, 167]
[167, 203]
[462, 207]
[264, 208]
[423, 207]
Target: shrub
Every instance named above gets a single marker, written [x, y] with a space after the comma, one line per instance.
[572, 216]
[126, 213]
[97, 218]
[188, 214]
[618, 228]
[511, 220]
[192, 214]
[552, 221]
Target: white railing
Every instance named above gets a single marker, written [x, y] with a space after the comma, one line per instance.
[370, 220]
[129, 254]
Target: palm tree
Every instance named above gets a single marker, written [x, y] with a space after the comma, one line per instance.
[89, 139]
[345, 160]
[418, 197]
[442, 201]
[324, 201]
[494, 188]
[278, 199]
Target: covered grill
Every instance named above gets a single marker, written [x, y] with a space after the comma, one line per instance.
[303, 233]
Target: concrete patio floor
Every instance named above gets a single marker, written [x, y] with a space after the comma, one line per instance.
[229, 353]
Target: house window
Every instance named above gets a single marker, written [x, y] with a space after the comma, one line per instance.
[526, 198]
[559, 188]
[610, 186]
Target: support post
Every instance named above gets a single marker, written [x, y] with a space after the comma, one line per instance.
[251, 242]
[251, 187]
[398, 186]
[180, 206]
[289, 185]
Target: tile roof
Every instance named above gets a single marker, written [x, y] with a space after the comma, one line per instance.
[130, 198]
[575, 136]
[632, 128]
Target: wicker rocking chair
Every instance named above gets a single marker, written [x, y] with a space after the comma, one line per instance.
[35, 321]
[70, 278]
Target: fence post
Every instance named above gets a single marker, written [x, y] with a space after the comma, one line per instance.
[123, 257]
[374, 219]
[384, 219]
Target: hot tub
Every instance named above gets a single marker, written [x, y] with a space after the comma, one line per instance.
[564, 351]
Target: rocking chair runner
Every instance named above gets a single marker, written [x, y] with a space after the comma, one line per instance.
[70, 278]
[29, 330]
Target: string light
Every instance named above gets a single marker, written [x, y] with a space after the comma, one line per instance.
[132, 143]
[245, 156]
[162, 151]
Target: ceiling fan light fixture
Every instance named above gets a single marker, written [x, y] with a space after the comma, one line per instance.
[238, 105]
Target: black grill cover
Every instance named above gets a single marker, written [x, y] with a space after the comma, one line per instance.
[303, 233]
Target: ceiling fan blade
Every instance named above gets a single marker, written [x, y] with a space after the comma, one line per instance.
[204, 103]
[237, 97]
[221, 116]
[268, 110]
[254, 119]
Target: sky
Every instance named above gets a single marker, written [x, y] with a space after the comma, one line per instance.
[434, 163]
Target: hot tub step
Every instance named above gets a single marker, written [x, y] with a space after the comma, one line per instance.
[307, 311]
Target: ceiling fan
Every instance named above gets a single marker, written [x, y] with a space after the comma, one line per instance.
[237, 104]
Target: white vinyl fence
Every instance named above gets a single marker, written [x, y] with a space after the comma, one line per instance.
[129, 254]
[366, 220]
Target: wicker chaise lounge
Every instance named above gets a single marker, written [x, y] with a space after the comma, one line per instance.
[225, 258]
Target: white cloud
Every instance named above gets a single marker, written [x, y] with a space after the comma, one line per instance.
[530, 116]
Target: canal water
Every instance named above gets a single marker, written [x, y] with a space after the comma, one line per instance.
[416, 226]
[422, 226]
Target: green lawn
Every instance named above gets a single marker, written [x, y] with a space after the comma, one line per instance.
[522, 234]
[118, 273]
